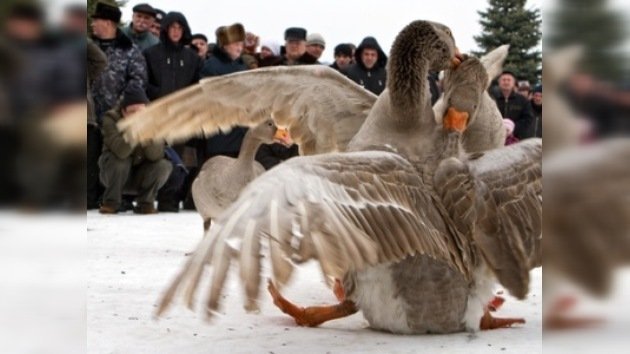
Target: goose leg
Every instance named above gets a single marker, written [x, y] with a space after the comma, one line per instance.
[311, 316]
[488, 322]
[496, 303]
[340, 294]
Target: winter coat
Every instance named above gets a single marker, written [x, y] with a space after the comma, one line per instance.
[125, 67]
[171, 66]
[537, 110]
[221, 144]
[519, 110]
[114, 142]
[142, 40]
[373, 79]
[96, 63]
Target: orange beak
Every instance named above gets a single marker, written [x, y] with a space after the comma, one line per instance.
[283, 137]
[455, 120]
[458, 58]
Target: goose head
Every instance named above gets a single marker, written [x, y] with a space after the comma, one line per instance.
[268, 132]
[421, 46]
[464, 87]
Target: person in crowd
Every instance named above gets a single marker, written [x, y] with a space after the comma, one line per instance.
[524, 88]
[514, 106]
[74, 19]
[200, 44]
[509, 125]
[156, 25]
[139, 30]
[536, 102]
[123, 167]
[315, 45]
[250, 47]
[269, 52]
[125, 67]
[369, 67]
[171, 66]
[343, 57]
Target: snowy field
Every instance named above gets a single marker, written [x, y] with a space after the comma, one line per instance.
[132, 258]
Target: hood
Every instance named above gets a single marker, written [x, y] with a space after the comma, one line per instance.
[371, 43]
[168, 20]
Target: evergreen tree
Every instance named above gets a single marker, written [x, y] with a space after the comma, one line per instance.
[509, 22]
[595, 26]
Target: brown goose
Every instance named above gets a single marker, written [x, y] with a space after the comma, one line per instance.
[416, 254]
[222, 178]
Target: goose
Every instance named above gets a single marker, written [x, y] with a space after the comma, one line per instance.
[415, 252]
[222, 178]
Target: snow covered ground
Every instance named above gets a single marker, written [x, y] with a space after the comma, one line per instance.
[131, 259]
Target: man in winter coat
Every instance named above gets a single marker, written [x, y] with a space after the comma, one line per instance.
[343, 57]
[369, 67]
[142, 168]
[125, 68]
[514, 106]
[139, 30]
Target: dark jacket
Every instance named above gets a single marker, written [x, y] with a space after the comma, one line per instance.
[96, 63]
[281, 60]
[538, 117]
[171, 66]
[113, 141]
[125, 67]
[373, 79]
[142, 40]
[221, 144]
[518, 109]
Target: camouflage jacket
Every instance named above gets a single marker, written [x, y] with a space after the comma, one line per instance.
[125, 67]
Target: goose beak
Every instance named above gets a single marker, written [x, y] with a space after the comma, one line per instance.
[458, 58]
[283, 137]
[455, 120]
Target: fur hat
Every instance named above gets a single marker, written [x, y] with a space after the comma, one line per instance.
[107, 12]
[295, 33]
[230, 34]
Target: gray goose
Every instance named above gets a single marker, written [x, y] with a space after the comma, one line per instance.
[222, 178]
[415, 254]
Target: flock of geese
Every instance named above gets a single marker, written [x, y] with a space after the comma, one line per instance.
[414, 212]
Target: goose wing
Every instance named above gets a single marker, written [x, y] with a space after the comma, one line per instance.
[347, 211]
[322, 108]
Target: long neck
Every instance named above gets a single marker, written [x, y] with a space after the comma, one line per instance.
[248, 148]
[407, 81]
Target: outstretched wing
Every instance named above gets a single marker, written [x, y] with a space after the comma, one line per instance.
[322, 108]
[587, 212]
[347, 211]
[509, 227]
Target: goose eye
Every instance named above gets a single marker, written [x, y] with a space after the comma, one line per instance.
[449, 33]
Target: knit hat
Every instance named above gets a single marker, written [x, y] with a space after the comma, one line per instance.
[133, 95]
[538, 88]
[295, 33]
[343, 49]
[107, 12]
[509, 125]
[315, 39]
[272, 45]
[230, 34]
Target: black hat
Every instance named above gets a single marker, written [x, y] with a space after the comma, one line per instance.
[77, 10]
[145, 9]
[133, 95]
[107, 12]
[295, 33]
[538, 88]
[200, 36]
[26, 11]
[343, 49]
